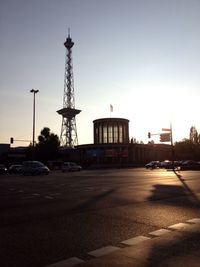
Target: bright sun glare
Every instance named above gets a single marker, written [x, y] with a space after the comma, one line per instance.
[150, 114]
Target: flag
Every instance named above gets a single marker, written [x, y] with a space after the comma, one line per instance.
[111, 108]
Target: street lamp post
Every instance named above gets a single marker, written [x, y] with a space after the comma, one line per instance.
[172, 146]
[34, 92]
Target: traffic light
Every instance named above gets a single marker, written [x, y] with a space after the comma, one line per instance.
[11, 140]
[149, 135]
[165, 137]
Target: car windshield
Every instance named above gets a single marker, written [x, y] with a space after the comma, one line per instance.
[33, 164]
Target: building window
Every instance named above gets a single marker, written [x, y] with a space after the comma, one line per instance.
[96, 134]
[120, 134]
[125, 133]
[105, 135]
[110, 134]
[115, 139]
[100, 134]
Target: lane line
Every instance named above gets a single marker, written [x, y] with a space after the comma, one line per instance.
[178, 226]
[131, 242]
[103, 251]
[160, 232]
[135, 240]
[49, 197]
[67, 263]
[195, 220]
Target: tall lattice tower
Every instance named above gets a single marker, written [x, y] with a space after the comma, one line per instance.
[68, 136]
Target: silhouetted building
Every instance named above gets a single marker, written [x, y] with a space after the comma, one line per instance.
[112, 147]
[111, 131]
[4, 149]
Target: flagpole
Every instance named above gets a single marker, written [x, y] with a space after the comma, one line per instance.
[111, 109]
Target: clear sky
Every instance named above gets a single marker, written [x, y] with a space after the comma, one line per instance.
[141, 56]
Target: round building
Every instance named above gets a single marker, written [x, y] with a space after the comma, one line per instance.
[111, 131]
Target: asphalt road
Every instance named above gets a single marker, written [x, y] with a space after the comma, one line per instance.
[46, 219]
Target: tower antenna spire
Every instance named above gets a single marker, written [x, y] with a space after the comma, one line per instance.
[68, 136]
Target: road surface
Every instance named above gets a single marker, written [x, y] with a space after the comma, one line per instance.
[46, 219]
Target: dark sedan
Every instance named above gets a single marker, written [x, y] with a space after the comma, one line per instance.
[15, 169]
[153, 164]
[34, 168]
[190, 165]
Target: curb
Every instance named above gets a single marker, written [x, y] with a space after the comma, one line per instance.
[73, 261]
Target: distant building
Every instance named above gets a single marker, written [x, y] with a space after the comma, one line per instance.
[4, 149]
[111, 131]
[112, 146]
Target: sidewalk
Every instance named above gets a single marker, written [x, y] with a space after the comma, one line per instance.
[178, 245]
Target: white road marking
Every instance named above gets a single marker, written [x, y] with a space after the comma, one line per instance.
[179, 226]
[49, 197]
[55, 194]
[195, 220]
[67, 263]
[89, 189]
[132, 241]
[28, 197]
[160, 232]
[135, 240]
[103, 251]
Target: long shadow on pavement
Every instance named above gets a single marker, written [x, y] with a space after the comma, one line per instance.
[180, 248]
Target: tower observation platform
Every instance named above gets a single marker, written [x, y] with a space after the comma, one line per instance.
[68, 136]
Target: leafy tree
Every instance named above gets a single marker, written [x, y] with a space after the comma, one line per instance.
[194, 135]
[48, 144]
[189, 148]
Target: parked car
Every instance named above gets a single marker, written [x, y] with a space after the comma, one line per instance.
[3, 169]
[70, 166]
[153, 164]
[34, 168]
[190, 165]
[15, 169]
[166, 164]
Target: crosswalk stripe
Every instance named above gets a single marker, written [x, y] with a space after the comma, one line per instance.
[67, 263]
[70, 262]
[194, 220]
[135, 240]
[160, 232]
[178, 226]
[103, 251]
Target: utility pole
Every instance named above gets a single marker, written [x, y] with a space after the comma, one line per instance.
[172, 145]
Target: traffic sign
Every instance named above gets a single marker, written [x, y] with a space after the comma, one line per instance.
[166, 130]
[165, 137]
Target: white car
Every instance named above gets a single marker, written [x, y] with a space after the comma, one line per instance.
[70, 167]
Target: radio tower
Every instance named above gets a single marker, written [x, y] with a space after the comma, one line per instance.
[68, 136]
